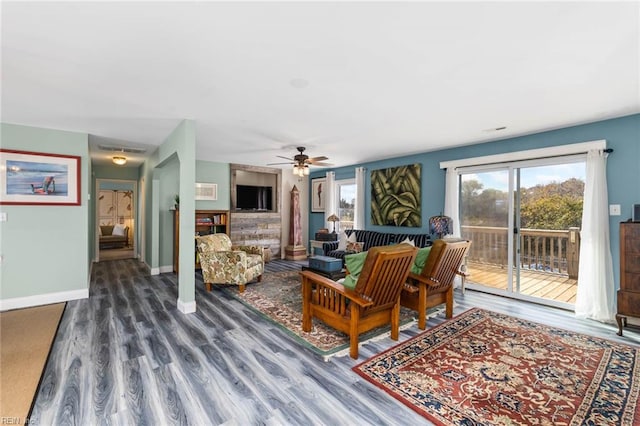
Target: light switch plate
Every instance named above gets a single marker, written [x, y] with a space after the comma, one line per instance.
[3, 216]
[614, 209]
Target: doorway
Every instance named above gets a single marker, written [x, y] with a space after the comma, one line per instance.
[115, 219]
[524, 219]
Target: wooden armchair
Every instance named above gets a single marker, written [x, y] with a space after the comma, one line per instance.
[374, 302]
[434, 285]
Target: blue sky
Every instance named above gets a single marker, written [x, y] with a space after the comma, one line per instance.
[530, 176]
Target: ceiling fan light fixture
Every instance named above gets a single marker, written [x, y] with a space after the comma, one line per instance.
[120, 161]
[306, 170]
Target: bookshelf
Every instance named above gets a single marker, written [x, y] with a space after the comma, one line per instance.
[207, 222]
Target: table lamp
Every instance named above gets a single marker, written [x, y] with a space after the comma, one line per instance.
[333, 218]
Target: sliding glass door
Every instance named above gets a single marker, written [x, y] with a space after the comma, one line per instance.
[524, 220]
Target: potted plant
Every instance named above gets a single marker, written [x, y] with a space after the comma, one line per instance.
[176, 198]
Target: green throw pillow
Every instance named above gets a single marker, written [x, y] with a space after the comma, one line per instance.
[354, 263]
[421, 258]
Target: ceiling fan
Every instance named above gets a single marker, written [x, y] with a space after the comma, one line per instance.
[301, 162]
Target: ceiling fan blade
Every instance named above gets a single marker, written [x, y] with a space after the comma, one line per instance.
[316, 159]
[286, 158]
[321, 164]
[276, 164]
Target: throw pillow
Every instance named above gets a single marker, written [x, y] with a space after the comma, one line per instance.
[100, 231]
[421, 259]
[354, 247]
[354, 264]
[342, 241]
[118, 230]
[352, 238]
[408, 241]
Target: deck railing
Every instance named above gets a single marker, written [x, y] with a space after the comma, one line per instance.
[553, 251]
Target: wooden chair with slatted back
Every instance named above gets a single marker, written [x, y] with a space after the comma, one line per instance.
[434, 285]
[374, 302]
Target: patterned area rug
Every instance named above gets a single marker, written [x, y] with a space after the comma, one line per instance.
[279, 299]
[486, 368]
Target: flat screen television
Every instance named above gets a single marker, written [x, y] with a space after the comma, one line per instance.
[249, 197]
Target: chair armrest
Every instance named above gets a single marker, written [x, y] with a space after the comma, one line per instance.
[419, 279]
[329, 246]
[320, 282]
[250, 249]
[237, 257]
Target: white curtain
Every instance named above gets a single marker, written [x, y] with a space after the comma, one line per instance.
[451, 200]
[358, 217]
[595, 298]
[330, 199]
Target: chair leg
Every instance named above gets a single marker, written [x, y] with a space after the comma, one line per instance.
[241, 288]
[259, 278]
[208, 285]
[306, 305]
[422, 306]
[395, 321]
[353, 333]
[449, 303]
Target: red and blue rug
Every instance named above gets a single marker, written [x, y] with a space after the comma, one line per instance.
[492, 369]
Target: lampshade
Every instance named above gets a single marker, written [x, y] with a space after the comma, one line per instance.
[440, 225]
[120, 161]
[301, 170]
[333, 218]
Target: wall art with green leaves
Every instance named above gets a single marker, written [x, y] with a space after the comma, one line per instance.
[395, 196]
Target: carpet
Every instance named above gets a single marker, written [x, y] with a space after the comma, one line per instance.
[278, 298]
[486, 368]
[26, 336]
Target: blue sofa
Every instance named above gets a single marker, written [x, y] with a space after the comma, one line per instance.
[374, 239]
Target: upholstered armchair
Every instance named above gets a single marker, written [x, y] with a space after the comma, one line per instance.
[223, 264]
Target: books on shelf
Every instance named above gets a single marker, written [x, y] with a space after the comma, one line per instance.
[215, 219]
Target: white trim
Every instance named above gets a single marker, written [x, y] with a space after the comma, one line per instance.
[552, 151]
[153, 271]
[165, 269]
[43, 299]
[186, 307]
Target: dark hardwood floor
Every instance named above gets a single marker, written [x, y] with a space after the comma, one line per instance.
[127, 356]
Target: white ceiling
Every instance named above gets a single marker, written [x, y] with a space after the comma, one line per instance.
[356, 82]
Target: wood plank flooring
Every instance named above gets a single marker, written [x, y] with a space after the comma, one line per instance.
[127, 356]
[532, 283]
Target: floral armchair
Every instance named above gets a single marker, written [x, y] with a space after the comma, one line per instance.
[223, 264]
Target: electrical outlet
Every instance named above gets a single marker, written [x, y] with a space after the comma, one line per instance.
[614, 209]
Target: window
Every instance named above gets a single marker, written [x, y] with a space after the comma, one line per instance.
[346, 202]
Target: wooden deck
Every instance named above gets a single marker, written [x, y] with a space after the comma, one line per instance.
[546, 285]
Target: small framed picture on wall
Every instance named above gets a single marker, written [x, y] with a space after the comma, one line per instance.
[318, 187]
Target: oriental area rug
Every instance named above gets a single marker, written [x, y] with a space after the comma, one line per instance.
[278, 298]
[486, 368]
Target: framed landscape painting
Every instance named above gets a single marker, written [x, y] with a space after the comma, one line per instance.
[33, 178]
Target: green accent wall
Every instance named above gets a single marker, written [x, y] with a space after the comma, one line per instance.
[46, 248]
[220, 174]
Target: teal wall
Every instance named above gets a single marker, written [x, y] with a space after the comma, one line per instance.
[169, 176]
[168, 171]
[623, 170]
[219, 173]
[46, 248]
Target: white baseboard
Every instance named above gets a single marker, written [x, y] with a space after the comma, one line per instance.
[42, 299]
[186, 308]
[165, 269]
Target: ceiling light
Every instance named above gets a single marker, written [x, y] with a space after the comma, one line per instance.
[120, 161]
